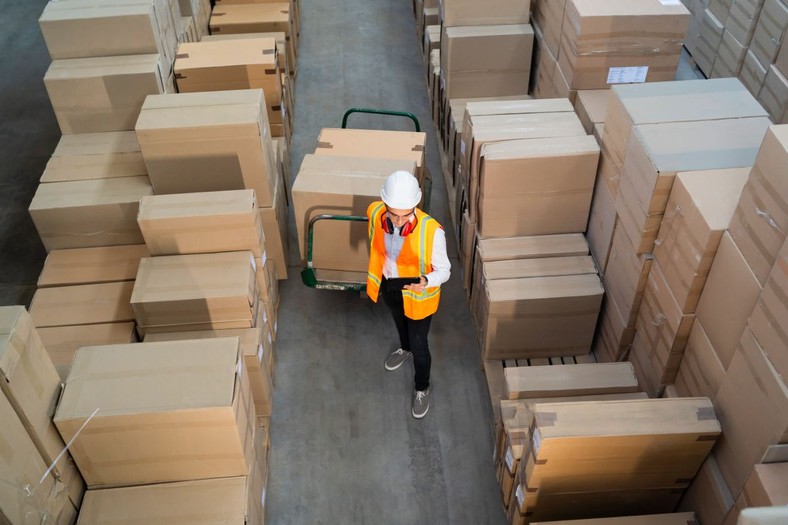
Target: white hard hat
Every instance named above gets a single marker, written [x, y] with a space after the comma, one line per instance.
[401, 191]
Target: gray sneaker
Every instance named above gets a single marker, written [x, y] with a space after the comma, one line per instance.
[421, 403]
[396, 358]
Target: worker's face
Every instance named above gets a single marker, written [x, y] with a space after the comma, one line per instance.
[399, 217]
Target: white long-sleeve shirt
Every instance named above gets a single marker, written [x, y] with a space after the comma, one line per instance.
[441, 267]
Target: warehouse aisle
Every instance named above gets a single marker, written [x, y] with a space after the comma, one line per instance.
[345, 448]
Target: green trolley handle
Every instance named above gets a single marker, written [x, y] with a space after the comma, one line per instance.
[405, 114]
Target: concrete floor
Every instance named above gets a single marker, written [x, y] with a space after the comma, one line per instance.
[344, 446]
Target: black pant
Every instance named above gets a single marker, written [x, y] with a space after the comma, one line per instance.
[412, 335]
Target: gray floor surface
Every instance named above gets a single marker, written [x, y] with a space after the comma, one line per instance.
[345, 449]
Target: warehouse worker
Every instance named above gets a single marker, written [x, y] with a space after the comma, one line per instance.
[405, 242]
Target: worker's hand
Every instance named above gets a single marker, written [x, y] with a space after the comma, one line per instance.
[417, 288]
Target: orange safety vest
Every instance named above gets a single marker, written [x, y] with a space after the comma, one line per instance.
[414, 260]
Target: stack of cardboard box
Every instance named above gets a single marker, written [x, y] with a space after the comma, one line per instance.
[651, 133]
[188, 146]
[154, 431]
[485, 48]
[743, 38]
[107, 58]
[577, 47]
[736, 351]
[40, 481]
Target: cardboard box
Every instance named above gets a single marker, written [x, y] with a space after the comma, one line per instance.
[614, 334]
[536, 186]
[591, 107]
[781, 62]
[708, 495]
[257, 352]
[591, 58]
[91, 265]
[662, 327]
[684, 101]
[214, 501]
[724, 307]
[374, 144]
[730, 57]
[752, 404]
[769, 31]
[62, 342]
[156, 423]
[678, 518]
[82, 304]
[701, 372]
[549, 16]
[210, 222]
[626, 275]
[573, 505]
[95, 156]
[285, 54]
[81, 214]
[752, 73]
[774, 95]
[570, 380]
[251, 18]
[601, 224]
[545, 70]
[704, 45]
[92, 95]
[274, 221]
[719, 8]
[29, 381]
[761, 219]
[94, 28]
[764, 490]
[486, 60]
[339, 186]
[658, 151]
[598, 446]
[742, 19]
[767, 320]
[204, 291]
[540, 316]
[698, 212]
[189, 138]
[470, 13]
[22, 469]
[230, 65]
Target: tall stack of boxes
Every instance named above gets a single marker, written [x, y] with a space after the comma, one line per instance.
[576, 48]
[743, 38]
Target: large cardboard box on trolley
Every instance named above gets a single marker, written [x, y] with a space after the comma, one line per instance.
[153, 422]
[230, 65]
[81, 214]
[495, 12]
[91, 95]
[536, 186]
[645, 45]
[94, 28]
[339, 186]
[656, 152]
[95, 156]
[375, 144]
[486, 61]
[698, 212]
[540, 316]
[691, 100]
[196, 292]
[211, 141]
[208, 222]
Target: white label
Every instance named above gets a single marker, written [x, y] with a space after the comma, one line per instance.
[265, 317]
[276, 325]
[462, 148]
[510, 460]
[260, 353]
[537, 441]
[627, 75]
[262, 497]
[264, 258]
[239, 368]
[520, 495]
[270, 339]
[254, 264]
[670, 2]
